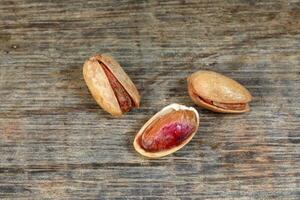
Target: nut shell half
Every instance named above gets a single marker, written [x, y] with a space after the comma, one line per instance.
[218, 93]
[162, 116]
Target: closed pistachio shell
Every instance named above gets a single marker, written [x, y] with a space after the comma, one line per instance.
[218, 93]
[167, 131]
[109, 84]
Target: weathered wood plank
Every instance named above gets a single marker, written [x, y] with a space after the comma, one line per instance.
[56, 143]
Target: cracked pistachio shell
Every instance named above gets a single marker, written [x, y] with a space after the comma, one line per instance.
[217, 88]
[100, 87]
[171, 116]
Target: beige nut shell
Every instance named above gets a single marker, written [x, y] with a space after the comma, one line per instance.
[218, 88]
[164, 111]
[100, 87]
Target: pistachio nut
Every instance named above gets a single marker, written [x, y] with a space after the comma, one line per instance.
[167, 131]
[218, 93]
[109, 84]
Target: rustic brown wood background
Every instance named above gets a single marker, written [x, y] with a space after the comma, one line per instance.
[56, 143]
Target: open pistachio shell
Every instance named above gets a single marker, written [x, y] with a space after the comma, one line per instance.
[167, 131]
[218, 93]
[109, 84]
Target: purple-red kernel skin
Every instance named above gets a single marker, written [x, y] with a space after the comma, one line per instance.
[169, 131]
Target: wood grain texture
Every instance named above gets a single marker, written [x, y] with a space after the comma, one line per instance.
[56, 143]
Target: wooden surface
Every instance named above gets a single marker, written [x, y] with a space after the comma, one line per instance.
[56, 143]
